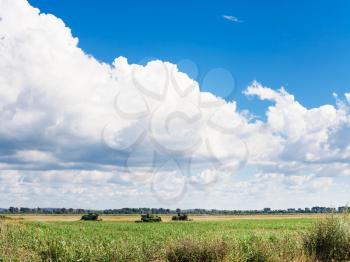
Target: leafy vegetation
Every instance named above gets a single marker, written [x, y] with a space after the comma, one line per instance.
[290, 239]
[329, 239]
[192, 250]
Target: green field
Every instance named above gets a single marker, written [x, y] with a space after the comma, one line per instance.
[240, 240]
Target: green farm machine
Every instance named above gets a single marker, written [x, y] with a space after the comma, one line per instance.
[91, 217]
[181, 217]
[149, 218]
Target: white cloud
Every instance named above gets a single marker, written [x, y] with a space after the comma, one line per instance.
[314, 141]
[34, 156]
[71, 125]
[231, 18]
[347, 95]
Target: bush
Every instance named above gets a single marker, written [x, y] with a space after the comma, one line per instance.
[253, 249]
[189, 250]
[329, 240]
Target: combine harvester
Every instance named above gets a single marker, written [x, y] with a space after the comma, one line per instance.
[91, 217]
[181, 217]
[149, 218]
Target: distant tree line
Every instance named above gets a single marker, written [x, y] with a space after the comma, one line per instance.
[197, 211]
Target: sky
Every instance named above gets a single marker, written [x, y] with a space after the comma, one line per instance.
[302, 45]
[225, 104]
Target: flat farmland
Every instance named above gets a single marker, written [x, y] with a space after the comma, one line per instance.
[118, 238]
[165, 218]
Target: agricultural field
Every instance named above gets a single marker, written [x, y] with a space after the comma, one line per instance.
[165, 218]
[118, 238]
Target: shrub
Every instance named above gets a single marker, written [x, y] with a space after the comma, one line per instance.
[329, 240]
[253, 249]
[190, 250]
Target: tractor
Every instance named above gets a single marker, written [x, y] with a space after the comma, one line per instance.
[149, 218]
[91, 217]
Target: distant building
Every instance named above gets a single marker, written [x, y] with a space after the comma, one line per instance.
[343, 209]
[316, 209]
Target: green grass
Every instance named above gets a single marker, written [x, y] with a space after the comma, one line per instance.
[238, 240]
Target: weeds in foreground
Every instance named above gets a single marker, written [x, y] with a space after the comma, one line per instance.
[191, 250]
[329, 239]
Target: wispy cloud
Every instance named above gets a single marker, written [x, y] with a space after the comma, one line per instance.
[232, 18]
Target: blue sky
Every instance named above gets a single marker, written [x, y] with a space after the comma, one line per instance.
[303, 45]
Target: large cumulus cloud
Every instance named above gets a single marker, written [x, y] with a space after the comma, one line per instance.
[71, 124]
[310, 140]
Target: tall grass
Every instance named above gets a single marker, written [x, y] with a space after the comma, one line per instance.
[329, 239]
[191, 250]
[241, 241]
